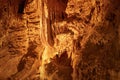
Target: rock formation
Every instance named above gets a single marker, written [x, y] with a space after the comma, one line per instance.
[59, 40]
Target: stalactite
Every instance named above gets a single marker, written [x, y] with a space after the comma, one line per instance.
[80, 39]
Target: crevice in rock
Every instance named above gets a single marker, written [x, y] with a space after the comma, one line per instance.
[22, 6]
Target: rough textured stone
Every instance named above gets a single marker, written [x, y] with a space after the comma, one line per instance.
[59, 40]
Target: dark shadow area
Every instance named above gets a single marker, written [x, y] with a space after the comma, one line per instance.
[100, 61]
[61, 64]
[21, 6]
[57, 10]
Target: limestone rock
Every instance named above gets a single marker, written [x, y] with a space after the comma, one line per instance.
[59, 40]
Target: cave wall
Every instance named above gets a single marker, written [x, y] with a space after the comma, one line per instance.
[20, 44]
[60, 40]
[86, 40]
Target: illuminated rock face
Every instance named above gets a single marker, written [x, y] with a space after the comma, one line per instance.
[20, 39]
[60, 40]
